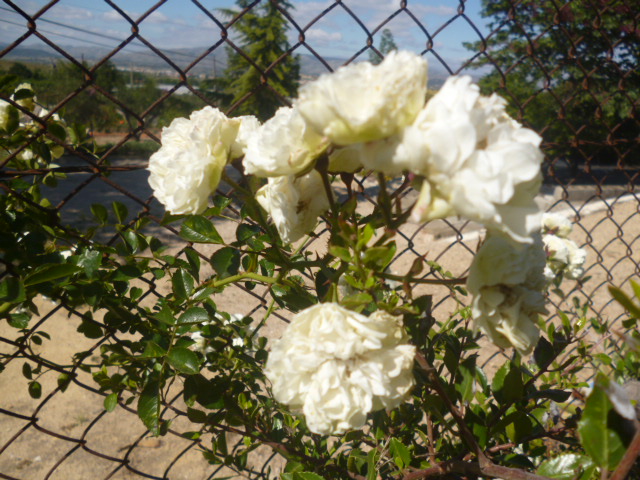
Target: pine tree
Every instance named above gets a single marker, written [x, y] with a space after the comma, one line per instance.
[262, 36]
[387, 44]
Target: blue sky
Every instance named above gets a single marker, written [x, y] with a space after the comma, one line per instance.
[180, 23]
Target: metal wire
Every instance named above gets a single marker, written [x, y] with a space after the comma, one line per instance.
[603, 189]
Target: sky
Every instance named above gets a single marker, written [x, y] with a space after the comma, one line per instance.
[182, 24]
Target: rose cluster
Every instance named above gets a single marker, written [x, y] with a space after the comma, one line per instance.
[335, 366]
[564, 257]
[470, 157]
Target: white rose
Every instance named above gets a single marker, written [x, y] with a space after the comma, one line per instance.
[345, 159]
[577, 258]
[477, 161]
[564, 257]
[294, 203]
[506, 281]
[188, 166]
[557, 249]
[283, 145]
[557, 224]
[364, 102]
[249, 125]
[8, 115]
[336, 366]
[28, 102]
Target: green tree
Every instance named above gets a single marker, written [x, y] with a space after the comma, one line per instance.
[262, 36]
[570, 71]
[386, 45]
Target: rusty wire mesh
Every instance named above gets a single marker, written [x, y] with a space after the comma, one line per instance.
[70, 435]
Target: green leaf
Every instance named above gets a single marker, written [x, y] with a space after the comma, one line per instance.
[356, 300]
[184, 360]
[182, 283]
[567, 466]
[624, 300]
[379, 257]
[90, 261]
[12, 290]
[307, 476]
[600, 430]
[507, 384]
[35, 389]
[193, 315]
[57, 130]
[120, 210]
[226, 262]
[543, 354]
[199, 229]
[110, 402]
[340, 252]
[26, 371]
[100, 212]
[400, 453]
[149, 406]
[49, 272]
[372, 461]
[19, 320]
[90, 329]
[153, 350]
[64, 379]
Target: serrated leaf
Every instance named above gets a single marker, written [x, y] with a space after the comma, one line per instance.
[226, 262]
[149, 406]
[49, 272]
[182, 283]
[19, 320]
[110, 402]
[184, 360]
[400, 453]
[193, 316]
[199, 229]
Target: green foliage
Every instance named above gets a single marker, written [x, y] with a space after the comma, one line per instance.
[266, 83]
[387, 44]
[519, 413]
[570, 72]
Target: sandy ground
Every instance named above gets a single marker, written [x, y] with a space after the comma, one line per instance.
[70, 436]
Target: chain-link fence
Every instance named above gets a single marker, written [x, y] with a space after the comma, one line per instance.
[568, 69]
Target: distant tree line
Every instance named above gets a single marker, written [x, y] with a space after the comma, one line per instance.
[571, 71]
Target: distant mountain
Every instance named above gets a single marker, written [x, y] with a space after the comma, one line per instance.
[140, 57]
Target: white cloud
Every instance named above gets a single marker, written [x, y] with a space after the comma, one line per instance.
[322, 36]
[114, 16]
[67, 12]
